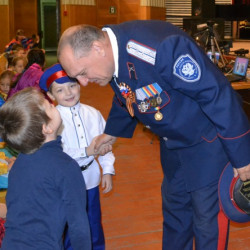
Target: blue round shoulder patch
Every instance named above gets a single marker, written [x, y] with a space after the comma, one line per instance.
[187, 69]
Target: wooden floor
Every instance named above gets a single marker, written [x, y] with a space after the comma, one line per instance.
[132, 217]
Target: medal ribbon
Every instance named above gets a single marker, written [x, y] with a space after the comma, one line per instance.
[157, 87]
[129, 96]
[147, 91]
[151, 90]
[140, 94]
[129, 101]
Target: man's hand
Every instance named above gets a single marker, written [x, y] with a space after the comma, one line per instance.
[103, 140]
[103, 149]
[243, 172]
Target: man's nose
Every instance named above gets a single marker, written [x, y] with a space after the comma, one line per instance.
[83, 80]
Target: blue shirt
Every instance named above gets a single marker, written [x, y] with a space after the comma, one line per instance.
[46, 191]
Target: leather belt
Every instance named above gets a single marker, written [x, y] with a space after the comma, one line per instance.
[84, 167]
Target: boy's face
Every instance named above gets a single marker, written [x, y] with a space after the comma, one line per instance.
[5, 85]
[54, 115]
[66, 94]
[19, 67]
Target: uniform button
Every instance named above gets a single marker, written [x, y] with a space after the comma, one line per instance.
[147, 126]
[79, 125]
[165, 138]
[81, 137]
[75, 114]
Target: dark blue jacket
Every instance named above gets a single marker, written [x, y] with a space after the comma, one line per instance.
[46, 191]
[200, 109]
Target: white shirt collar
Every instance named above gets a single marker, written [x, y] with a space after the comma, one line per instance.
[73, 109]
[114, 45]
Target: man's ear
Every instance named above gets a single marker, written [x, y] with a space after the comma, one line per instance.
[51, 96]
[47, 129]
[98, 48]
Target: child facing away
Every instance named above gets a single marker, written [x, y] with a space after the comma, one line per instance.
[81, 123]
[45, 186]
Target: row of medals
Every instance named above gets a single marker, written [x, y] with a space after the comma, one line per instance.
[154, 102]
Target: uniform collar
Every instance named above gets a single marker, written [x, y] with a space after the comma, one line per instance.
[114, 46]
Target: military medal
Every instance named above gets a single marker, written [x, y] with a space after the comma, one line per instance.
[129, 96]
[153, 102]
[158, 116]
[143, 106]
[151, 93]
[158, 100]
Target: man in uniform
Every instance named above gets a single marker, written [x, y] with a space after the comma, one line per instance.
[163, 79]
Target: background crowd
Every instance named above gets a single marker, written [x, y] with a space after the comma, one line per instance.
[21, 65]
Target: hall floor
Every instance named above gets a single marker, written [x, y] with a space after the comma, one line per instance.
[132, 217]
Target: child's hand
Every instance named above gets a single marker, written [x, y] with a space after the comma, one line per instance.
[104, 139]
[107, 183]
[102, 150]
[90, 149]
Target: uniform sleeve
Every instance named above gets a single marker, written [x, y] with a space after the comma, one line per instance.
[191, 72]
[119, 122]
[74, 197]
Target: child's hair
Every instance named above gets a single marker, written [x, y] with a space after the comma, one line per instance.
[18, 58]
[19, 32]
[16, 47]
[21, 121]
[35, 56]
[7, 73]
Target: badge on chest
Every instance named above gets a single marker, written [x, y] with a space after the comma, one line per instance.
[149, 97]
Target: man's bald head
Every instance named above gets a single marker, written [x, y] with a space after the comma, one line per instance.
[80, 39]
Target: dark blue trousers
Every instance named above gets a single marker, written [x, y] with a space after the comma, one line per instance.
[94, 215]
[192, 217]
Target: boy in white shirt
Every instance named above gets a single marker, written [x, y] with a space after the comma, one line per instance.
[80, 125]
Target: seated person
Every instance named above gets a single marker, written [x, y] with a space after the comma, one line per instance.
[33, 42]
[6, 81]
[17, 51]
[32, 72]
[18, 64]
[20, 37]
